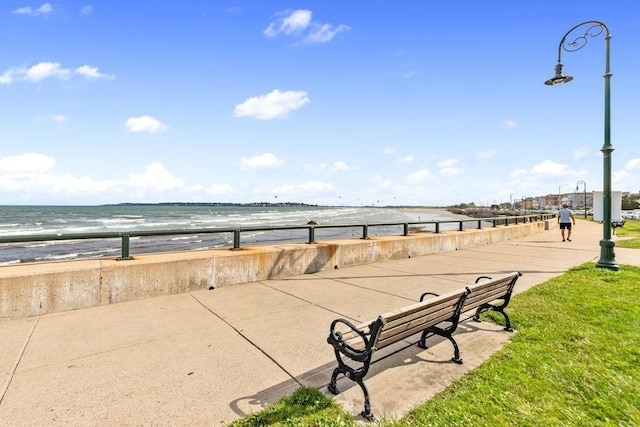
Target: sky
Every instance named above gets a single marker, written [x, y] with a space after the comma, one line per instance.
[352, 102]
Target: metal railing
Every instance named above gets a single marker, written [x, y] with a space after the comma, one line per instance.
[237, 232]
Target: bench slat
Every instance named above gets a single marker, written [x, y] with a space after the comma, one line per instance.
[409, 320]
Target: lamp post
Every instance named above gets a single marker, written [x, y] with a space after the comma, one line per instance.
[594, 29]
[584, 201]
[560, 194]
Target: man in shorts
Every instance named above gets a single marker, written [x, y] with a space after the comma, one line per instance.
[565, 218]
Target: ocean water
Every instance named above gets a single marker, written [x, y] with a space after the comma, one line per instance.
[19, 221]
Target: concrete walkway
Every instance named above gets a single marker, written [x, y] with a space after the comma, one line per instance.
[210, 357]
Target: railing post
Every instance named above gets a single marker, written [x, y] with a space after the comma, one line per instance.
[365, 232]
[479, 224]
[124, 254]
[312, 235]
[405, 231]
[236, 240]
[460, 226]
[437, 227]
[495, 223]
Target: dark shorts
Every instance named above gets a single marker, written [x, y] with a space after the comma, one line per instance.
[564, 225]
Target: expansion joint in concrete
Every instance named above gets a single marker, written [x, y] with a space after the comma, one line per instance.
[248, 340]
[5, 387]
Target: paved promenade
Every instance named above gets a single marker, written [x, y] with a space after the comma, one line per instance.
[210, 357]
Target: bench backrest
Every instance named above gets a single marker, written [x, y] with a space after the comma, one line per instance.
[407, 321]
[486, 290]
[402, 323]
[396, 325]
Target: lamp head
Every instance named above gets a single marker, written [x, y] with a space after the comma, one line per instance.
[559, 78]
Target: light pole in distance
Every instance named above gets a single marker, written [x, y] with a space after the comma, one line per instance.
[560, 194]
[585, 196]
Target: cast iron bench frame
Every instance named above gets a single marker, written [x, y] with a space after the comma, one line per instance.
[435, 316]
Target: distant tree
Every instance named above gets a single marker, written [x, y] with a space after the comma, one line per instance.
[630, 202]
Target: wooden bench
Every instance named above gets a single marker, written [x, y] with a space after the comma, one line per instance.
[354, 346]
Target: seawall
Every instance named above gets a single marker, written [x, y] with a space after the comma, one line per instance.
[34, 289]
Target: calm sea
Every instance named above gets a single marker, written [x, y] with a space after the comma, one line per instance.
[17, 221]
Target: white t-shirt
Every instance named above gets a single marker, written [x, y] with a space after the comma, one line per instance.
[565, 215]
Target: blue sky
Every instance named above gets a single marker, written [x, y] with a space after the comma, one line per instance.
[331, 102]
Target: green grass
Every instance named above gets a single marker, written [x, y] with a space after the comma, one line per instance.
[574, 361]
[631, 229]
[305, 407]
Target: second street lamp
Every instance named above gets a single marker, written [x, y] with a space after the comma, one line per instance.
[594, 29]
[584, 201]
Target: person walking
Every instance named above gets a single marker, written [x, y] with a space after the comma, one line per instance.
[565, 218]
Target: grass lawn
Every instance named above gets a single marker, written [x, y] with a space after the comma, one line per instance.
[574, 361]
[631, 229]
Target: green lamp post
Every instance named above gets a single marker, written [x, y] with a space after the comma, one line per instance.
[594, 29]
[584, 200]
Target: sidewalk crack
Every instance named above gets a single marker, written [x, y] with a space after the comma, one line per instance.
[249, 341]
[5, 387]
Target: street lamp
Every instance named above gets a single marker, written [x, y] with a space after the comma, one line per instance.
[584, 201]
[560, 194]
[594, 29]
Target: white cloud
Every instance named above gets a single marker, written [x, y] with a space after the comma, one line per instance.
[324, 33]
[450, 171]
[288, 22]
[55, 118]
[486, 155]
[400, 159]
[220, 189]
[337, 166]
[549, 167]
[580, 153]
[27, 163]
[408, 71]
[633, 164]
[32, 176]
[7, 77]
[45, 9]
[293, 23]
[266, 160]
[273, 105]
[92, 73]
[45, 70]
[155, 178]
[145, 124]
[509, 124]
[58, 118]
[418, 176]
[447, 163]
[340, 166]
[447, 168]
[305, 188]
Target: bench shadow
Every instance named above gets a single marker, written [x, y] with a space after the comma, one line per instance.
[404, 353]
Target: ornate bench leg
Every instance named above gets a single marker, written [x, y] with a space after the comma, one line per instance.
[445, 334]
[333, 388]
[507, 321]
[486, 307]
[366, 414]
[456, 351]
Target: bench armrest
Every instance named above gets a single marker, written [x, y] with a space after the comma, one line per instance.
[339, 344]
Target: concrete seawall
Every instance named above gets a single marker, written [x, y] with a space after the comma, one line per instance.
[34, 289]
